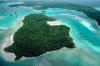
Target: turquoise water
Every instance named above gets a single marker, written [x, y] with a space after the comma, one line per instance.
[84, 31]
[98, 8]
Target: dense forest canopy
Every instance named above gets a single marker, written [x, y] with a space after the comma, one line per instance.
[37, 37]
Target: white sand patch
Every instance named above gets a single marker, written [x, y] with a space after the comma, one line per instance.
[6, 55]
[9, 41]
[54, 23]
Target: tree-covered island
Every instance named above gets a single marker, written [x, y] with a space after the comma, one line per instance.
[37, 37]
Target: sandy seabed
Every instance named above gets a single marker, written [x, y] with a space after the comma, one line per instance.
[1, 17]
[9, 41]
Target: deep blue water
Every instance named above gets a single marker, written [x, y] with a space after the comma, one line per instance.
[84, 31]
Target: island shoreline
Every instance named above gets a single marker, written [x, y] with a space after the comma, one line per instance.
[6, 43]
[21, 24]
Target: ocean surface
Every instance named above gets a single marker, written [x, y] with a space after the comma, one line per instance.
[84, 31]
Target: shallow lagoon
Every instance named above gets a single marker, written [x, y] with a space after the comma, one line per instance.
[84, 31]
